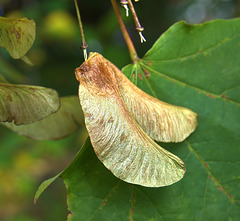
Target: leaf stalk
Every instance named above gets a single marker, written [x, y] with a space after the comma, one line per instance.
[84, 43]
[131, 48]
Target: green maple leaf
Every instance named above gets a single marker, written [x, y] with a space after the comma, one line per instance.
[196, 66]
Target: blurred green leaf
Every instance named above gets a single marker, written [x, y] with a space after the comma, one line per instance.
[56, 126]
[17, 35]
[25, 104]
[196, 66]
[60, 25]
[2, 79]
[46, 183]
[11, 72]
[43, 186]
[27, 60]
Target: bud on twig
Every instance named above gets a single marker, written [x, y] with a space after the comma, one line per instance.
[124, 4]
[139, 28]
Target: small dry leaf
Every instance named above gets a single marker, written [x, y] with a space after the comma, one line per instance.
[61, 124]
[17, 36]
[25, 104]
[118, 141]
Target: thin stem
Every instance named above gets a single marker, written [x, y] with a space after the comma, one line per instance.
[139, 28]
[84, 43]
[131, 48]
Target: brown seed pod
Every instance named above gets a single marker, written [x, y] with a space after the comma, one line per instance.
[118, 141]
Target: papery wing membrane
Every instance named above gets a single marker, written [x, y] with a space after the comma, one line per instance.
[161, 121]
[119, 142]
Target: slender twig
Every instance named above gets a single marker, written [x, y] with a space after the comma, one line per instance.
[131, 48]
[84, 43]
[139, 28]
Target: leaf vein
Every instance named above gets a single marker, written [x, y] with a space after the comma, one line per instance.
[216, 182]
[183, 84]
[201, 51]
[153, 206]
[104, 200]
[205, 197]
[147, 83]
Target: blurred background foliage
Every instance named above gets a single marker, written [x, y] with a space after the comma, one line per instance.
[25, 163]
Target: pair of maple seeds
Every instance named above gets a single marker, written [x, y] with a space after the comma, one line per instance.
[122, 122]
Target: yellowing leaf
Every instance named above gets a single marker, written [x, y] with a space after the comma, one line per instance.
[58, 125]
[25, 104]
[17, 35]
[119, 142]
[161, 121]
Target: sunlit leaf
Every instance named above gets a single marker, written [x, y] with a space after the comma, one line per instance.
[56, 126]
[119, 142]
[25, 104]
[17, 35]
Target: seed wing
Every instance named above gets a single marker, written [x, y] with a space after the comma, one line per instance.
[123, 147]
[161, 121]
